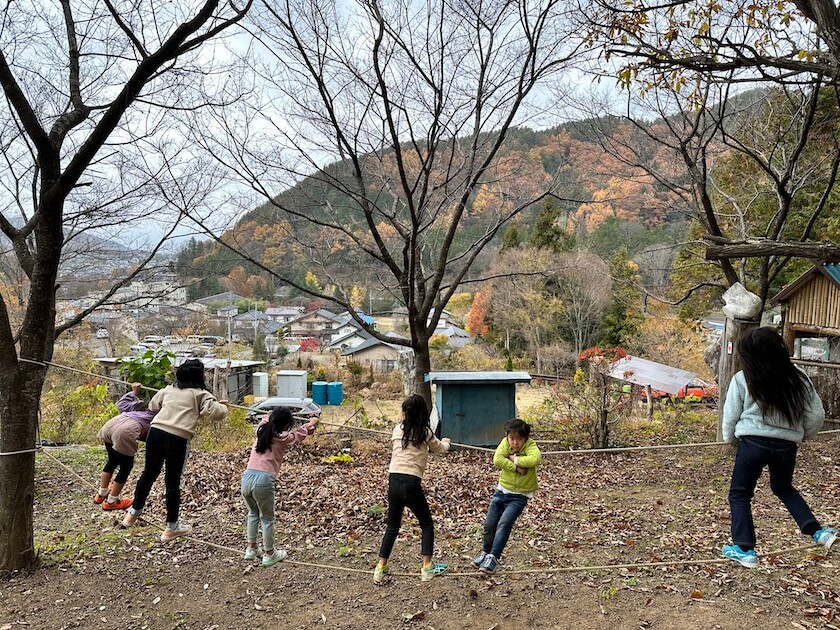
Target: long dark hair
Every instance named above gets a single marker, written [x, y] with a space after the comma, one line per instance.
[416, 427]
[190, 374]
[279, 421]
[774, 382]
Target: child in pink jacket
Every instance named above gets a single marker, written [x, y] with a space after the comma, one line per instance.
[274, 437]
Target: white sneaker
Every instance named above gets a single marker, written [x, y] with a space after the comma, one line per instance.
[172, 534]
[276, 556]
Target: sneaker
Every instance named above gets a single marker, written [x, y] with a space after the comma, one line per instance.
[825, 537]
[744, 558]
[119, 504]
[379, 574]
[478, 560]
[99, 498]
[489, 563]
[250, 553]
[274, 557]
[172, 534]
[129, 521]
[434, 569]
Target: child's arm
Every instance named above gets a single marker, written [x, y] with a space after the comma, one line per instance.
[813, 416]
[732, 409]
[529, 456]
[212, 409]
[130, 401]
[500, 457]
[437, 446]
[298, 434]
[156, 401]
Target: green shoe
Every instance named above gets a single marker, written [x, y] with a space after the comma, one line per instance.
[435, 568]
[251, 553]
[379, 574]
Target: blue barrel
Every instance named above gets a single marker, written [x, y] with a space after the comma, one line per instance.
[319, 392]
[335, 393]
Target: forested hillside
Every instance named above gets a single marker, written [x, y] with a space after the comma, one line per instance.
[601, 204]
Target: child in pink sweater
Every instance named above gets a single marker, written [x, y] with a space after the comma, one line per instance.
[274, 437]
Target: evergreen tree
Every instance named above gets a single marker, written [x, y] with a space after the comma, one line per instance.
[547, 232]
[512, 238]
[622, 317]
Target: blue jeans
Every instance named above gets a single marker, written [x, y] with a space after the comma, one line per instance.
[754, 453]
[504, 509]
[258, 494]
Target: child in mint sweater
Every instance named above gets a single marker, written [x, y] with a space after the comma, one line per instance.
[517, 456]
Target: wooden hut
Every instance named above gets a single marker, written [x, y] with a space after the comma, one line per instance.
[811, 316]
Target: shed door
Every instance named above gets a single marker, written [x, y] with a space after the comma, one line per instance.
[476, 414]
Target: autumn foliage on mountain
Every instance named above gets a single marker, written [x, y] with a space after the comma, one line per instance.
[592, 187]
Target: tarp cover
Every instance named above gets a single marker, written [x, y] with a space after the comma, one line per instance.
[644, 372]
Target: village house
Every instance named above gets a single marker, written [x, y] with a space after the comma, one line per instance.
[318, 324]
[382, 356]
[811, 327]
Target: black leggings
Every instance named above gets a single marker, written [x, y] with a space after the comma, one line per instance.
[125, 463]
[405, 491]
[163, 447]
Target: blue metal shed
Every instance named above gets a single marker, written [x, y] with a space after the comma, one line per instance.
[474, 406]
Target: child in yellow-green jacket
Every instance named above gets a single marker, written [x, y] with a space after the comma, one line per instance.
[517, 456]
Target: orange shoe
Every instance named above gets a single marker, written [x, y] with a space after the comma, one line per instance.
[120, 504]
[98, 498]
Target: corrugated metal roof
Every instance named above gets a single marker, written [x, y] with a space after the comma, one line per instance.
[472, 378]
[833, 270]
[644, 372]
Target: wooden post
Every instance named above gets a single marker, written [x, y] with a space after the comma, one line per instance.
[733, 330]
[649, 394]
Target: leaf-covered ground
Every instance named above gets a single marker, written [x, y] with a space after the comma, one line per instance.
[590, 510]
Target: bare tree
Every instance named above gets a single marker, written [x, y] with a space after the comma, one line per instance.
[414, 104]
[85, 86]
[756, 166]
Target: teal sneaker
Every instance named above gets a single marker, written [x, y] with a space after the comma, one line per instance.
[745, 558]
[379, 574]
[250, 553]
[825, 537]
[433, 570]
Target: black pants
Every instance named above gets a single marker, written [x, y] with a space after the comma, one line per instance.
[115, 459]
[754, 453]
[162, 447]
[405, 491]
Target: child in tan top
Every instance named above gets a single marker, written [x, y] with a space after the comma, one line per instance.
[412, 441]
[180, 406]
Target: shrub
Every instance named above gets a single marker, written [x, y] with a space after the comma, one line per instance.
[76, 416]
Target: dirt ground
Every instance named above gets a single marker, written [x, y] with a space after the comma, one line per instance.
[590, 510]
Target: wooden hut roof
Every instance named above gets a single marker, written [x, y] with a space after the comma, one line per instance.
[829, 270]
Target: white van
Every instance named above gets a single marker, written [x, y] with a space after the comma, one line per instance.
[152, 340]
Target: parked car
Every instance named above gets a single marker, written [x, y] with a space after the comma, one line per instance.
[101, 333]
[697, 390]
[170, 340]
[152, 340]
[138, 349]
[302, 408]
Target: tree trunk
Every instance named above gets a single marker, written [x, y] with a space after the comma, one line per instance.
[733, 330]
[20, 391]
[422, 366]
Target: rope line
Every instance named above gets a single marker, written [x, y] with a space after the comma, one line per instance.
[558, 569]
[587, 451]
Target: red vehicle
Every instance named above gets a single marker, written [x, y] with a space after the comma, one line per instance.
[697, 390]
